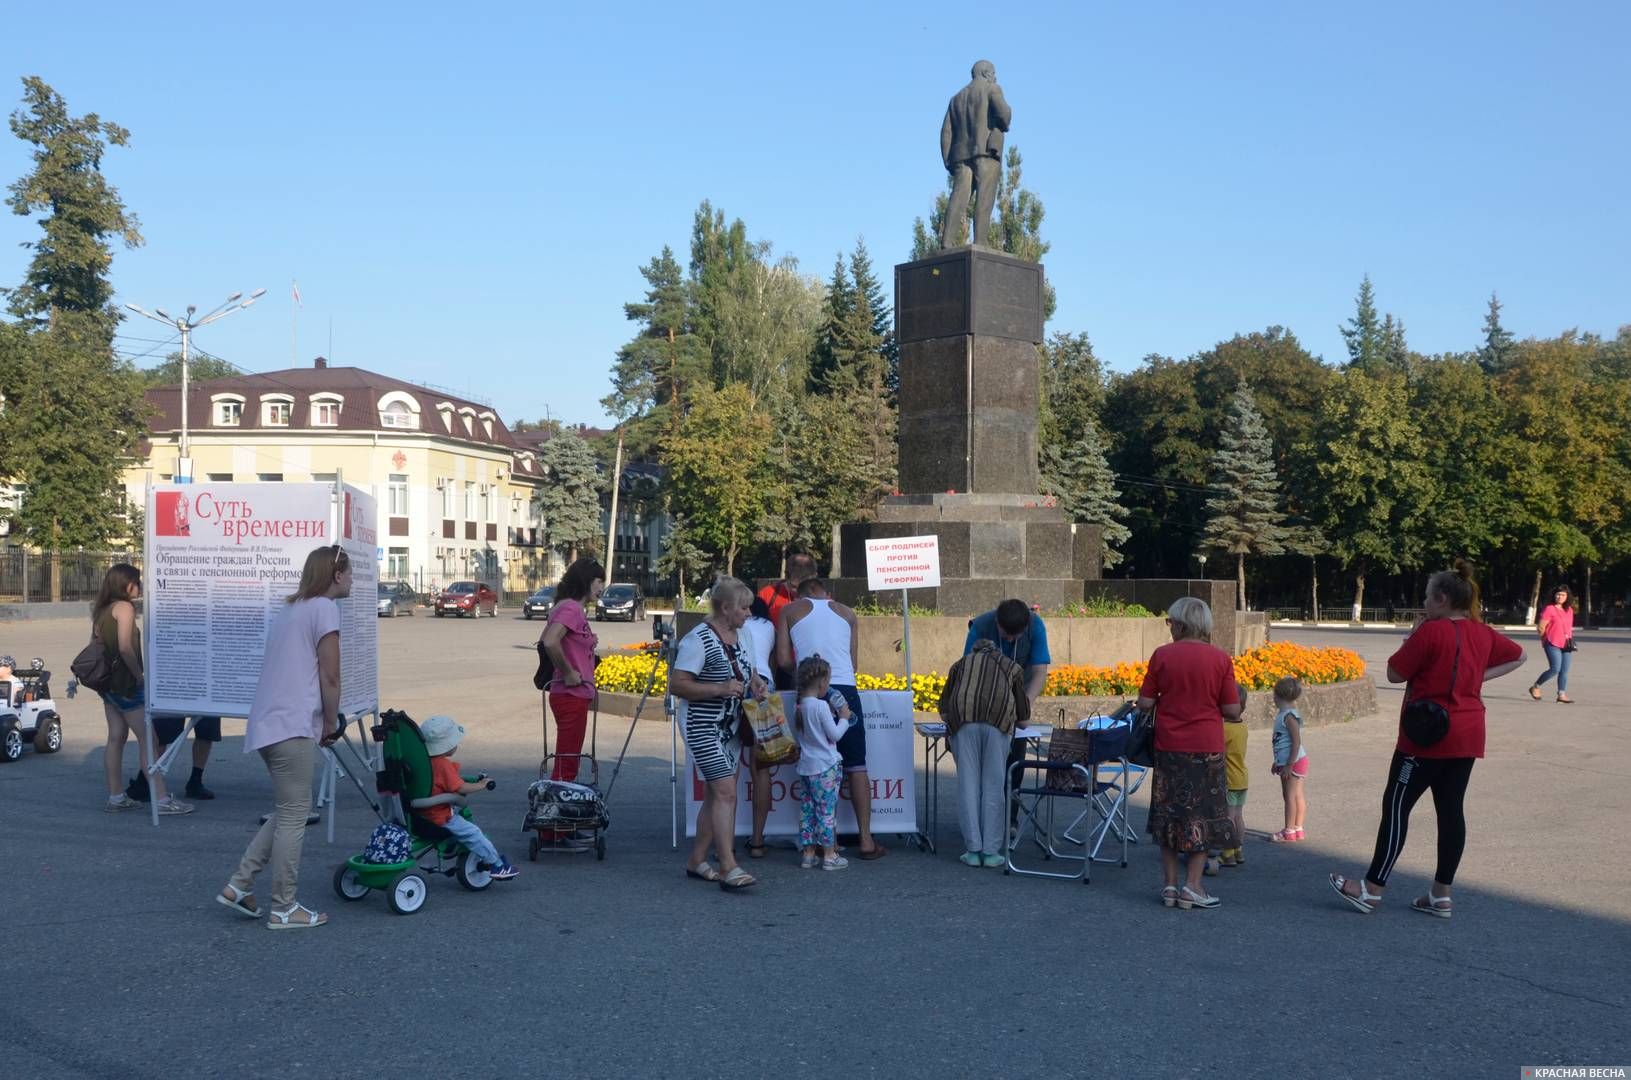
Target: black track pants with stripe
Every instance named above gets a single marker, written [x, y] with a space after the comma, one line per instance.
[1407, 778]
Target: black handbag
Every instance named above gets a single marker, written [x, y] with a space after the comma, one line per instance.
[1425, 722]
[1141, 739]
[1569, 646]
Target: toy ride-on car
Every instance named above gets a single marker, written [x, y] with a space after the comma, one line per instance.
[27, 713]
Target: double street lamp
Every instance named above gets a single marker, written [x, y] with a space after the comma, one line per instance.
[235, 302]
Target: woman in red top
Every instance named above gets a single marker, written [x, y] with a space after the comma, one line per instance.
[1556, 633]
[1447, 658]
[1191, 685]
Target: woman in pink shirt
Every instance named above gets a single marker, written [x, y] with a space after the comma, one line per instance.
[1557, 638]
[571, 647]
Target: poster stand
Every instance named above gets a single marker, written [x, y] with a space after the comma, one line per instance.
[348, 511]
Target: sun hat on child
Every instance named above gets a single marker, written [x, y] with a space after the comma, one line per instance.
[441, 734]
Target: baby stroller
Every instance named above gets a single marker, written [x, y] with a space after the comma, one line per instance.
[413, 847]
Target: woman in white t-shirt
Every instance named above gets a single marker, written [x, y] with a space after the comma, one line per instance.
[297, 706]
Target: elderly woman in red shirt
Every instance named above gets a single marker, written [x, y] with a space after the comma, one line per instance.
[1191, 685]
[1447, 659]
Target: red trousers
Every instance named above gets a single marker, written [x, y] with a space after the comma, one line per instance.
[571, 722]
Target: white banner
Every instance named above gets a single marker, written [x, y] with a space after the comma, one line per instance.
[891, 772]
[359, 614]
[220, 560]
[903, 562]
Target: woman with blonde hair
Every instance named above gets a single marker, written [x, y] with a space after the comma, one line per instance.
[1191, 686]
[297, 706]
[713, 670]
[115, 626]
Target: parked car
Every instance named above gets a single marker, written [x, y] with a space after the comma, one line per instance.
[467, 598]
[621, 602]
[395, 597]
[27, 713]
[539, 602]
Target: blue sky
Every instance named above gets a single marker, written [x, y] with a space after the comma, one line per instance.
[468, 192]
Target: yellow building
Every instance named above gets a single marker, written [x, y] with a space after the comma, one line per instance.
[455, 487]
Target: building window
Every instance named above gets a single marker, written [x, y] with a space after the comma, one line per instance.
[269, 477]
[448, 497]
[397, 495]
[275, 413]
[324, 477]
[469, 500]
[398, 415]
[325, 412]
[229, 413]
[219, 477]
[396, 563]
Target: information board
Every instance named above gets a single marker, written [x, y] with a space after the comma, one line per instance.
[359, 614]
[220, 561]
[903, 562]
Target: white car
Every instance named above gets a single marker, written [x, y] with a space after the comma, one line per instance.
[27, 713]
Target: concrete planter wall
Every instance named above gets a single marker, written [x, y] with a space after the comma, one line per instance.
[937, 642]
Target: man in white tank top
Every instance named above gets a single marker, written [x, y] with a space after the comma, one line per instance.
[814, 624]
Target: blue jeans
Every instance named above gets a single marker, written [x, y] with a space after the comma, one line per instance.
[471, 836]
[1558, 663]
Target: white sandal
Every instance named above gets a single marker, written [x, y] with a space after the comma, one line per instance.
[236, 903]
[285, 920]
[1189, 898]
[1431, 907]
[1365, 903]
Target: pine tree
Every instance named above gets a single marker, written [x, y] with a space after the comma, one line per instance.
[1246, 518]
[654, 373]
[1079, 476]
[1498, 341]
[1364, 331]
[883, 315]
[569, 501]
[830, 352]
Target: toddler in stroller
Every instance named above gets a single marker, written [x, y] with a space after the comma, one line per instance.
[442, 737]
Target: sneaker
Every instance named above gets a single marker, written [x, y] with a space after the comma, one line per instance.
[504, 871]
[995, 860]
[837, 862]
[809, 862]
[174, 806]
[199, 791]
[1301, 834]
[970, 858]
[120, 802]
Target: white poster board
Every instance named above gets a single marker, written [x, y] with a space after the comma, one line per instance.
[220, 560]
[903, 562]
[359, 614]
[891, 772]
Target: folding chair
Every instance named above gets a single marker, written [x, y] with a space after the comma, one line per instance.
[1115, 781]
[1055, 778]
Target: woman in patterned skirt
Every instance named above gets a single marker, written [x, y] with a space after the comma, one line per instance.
[1191, 685]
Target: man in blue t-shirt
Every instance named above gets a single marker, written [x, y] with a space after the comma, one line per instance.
[1023, 638]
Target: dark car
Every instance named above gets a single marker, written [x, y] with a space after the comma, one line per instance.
[467, 598]
[396, 597]
[621, 602]
[539, 602]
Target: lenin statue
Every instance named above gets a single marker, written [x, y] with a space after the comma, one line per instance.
[971, 147]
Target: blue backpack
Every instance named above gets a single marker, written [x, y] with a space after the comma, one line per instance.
[388, 844]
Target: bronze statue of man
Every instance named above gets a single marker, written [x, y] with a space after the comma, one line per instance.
[971, 147]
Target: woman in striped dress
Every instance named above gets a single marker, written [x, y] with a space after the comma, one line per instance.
[713, 669]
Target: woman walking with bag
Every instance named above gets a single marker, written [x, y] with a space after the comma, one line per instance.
[1557, 639]
[297, 705]
[115, 627]
[713, 669]
[1444, 663]
[1191, 685]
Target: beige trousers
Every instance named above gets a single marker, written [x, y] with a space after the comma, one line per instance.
[278, 842]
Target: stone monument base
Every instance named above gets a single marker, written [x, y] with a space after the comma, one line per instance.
[992, 547]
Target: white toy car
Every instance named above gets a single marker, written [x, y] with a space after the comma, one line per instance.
[27, 713]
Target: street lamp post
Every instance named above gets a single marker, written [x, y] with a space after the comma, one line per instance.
[235, 302]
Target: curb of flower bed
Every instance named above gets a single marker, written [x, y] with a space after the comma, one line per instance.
[1331, 703]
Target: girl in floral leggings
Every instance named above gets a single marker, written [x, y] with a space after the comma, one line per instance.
[818, 766]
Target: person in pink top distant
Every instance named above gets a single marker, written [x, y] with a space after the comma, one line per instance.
[1557, 639]
[571, 646]
[297, 707]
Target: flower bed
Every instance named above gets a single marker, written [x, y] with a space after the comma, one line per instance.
[1258, 670]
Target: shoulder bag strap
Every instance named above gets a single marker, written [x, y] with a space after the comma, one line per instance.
[1455, 665]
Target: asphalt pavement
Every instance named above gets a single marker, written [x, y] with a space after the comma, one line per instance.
[118, 963]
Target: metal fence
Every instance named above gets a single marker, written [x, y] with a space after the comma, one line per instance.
[26, 577]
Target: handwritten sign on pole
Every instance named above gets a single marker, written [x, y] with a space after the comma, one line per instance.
[903, 562]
